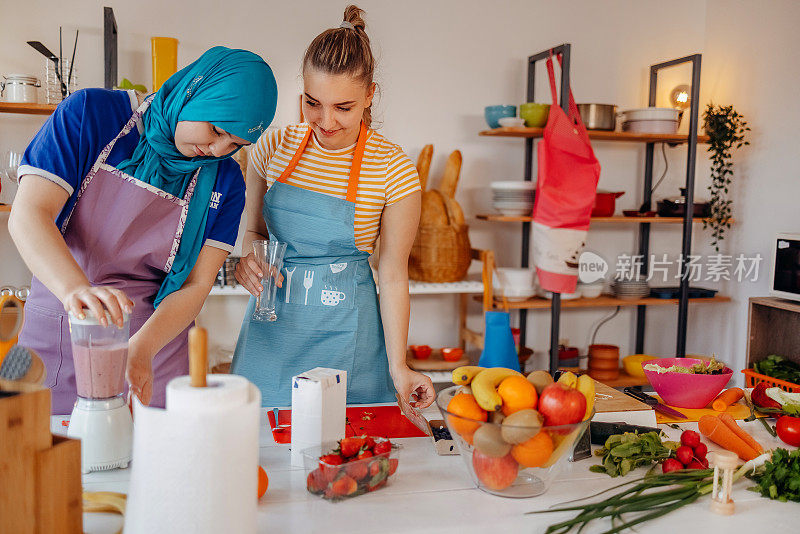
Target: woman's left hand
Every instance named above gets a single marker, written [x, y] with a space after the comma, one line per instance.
[414, 387]
[140, 374]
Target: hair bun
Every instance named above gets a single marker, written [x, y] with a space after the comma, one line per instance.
[352, 15]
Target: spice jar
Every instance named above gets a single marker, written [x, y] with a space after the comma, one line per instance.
[20, 88]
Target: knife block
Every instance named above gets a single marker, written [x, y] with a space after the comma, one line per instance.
[41, 487]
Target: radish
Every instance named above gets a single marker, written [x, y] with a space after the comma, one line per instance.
[671, 464]
[690, 438]
[684, 454]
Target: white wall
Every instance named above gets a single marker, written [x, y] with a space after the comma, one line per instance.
[441, 62]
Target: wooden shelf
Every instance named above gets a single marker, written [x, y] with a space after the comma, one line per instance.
[27, 109]
[603, 301]
[613, 219]
[600, 135]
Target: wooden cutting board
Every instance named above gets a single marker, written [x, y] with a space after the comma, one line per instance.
[737, 411]
[435, 362]
[608, 399]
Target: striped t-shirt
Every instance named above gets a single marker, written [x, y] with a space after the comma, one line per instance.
[387, 174]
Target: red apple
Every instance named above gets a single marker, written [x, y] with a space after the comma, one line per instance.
[495, 473]
[561, 405]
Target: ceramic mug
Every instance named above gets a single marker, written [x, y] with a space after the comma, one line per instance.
[332, 298]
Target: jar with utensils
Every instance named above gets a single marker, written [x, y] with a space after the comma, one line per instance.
[53, 82]
[20, 88]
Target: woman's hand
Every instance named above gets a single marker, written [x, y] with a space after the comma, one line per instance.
[140, 374]
[249, 274]
[413, 387]
[96, 299]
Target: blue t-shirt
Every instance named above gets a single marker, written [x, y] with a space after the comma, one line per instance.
[68, 144]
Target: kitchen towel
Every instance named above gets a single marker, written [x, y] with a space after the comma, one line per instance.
[195, 462]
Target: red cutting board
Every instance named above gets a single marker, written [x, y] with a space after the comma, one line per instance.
[377, 421]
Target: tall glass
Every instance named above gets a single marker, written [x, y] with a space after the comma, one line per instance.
[269, 256]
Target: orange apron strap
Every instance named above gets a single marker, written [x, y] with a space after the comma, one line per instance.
[355, 168]
[292, 164]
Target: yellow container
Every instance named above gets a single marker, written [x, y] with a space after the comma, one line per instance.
[165, 59]
[11, 318]
[633, 364]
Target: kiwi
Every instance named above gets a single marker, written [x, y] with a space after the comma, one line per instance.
[540, 379]
[488, 440]
[521, 426]
[496, 417]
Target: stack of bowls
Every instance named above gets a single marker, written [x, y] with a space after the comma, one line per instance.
[493, 114]
[515, 284]
[651, 120]
[604, 362]
[513, 199]
[632, 288]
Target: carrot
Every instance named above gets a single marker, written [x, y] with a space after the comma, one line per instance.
[718, 432]
[730, 422]
[726, 398]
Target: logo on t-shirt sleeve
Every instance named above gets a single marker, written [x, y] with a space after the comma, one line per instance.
[215, 199]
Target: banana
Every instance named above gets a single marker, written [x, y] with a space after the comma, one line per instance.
[463, 375]
[568, 379]
[484, 387]
[586, 386]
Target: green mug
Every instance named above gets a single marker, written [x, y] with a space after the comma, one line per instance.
[535, 115]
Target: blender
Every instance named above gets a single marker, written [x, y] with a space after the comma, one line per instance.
[101, 418]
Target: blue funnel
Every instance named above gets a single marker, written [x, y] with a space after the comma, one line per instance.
[498, 343]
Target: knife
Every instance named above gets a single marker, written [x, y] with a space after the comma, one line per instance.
[652, 401]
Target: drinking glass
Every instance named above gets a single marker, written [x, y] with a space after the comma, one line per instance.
[269, 256]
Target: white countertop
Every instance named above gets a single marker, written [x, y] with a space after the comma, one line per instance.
[432, 493]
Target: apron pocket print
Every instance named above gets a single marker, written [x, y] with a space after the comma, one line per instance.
[319, 286]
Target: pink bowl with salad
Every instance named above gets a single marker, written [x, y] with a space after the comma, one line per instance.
[684, 389]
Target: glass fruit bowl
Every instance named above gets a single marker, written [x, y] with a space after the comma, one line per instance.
[335, 476]
[510, 461]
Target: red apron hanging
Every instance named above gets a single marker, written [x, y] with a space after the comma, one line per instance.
[567, 184]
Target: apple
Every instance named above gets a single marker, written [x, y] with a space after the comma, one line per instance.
[495, 473]
[561, 405]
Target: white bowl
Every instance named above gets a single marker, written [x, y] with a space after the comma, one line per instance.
[511, 277]
[511, 122]
[590, 291]
[564, 296]
[513, 185]
[649, 114]
[651, 126]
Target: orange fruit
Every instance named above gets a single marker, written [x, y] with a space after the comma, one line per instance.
[534, 452]
[465, 405]
[517, 394]
[263, 482]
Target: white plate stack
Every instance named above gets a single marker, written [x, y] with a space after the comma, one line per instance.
[630, 288]
[513, 199]
[651, 120]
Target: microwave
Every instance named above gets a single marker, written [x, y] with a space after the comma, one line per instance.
[785, 279]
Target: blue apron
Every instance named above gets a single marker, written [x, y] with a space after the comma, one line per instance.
[327, 309]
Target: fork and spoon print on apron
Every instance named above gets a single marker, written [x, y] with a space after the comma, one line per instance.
[329, 295]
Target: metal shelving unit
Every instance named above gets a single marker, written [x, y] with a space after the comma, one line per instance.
[691, 140]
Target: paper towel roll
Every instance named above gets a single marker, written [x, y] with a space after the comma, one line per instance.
[195, 463]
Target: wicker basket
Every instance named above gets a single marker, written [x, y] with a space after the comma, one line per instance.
[441, 252]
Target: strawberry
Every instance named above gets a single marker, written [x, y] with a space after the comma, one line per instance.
[369, 442]
[382, 447]
[357, 470]
[328, 465]
[316, 482]
[393, 465]
[351, 446]
[380, 484]
[343, 486]
[364, 454]
[374, 468]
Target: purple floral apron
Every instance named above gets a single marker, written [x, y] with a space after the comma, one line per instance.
[123, 233]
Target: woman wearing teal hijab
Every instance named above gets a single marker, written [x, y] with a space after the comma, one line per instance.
[128, 207]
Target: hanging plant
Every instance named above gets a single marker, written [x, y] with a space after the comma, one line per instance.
[726, 131]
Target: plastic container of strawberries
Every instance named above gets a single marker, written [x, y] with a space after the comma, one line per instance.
[335, 477]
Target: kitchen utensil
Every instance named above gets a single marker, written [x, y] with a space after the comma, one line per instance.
[269, 256]
[101, 418]
[498, 347]
[535, 114]
[508, 478]
[512, 277]
[72, 60]
[600, 431]
[511, 122]
[435, 362]
[23, 365]
[288, 281]
[420, 352]
[55, 89]
[308, 283]
[20, 88]
[598, 116]
[738, 411]
[604, 202]
[676, 206]
[685, 390]
[12, 316]
[652, 127]
[651, 114]
[675, 292]
[652, 401]
[590, 291]
[603, 352]
[42, 49]
[493, 113]
[384, 421]
[452, 354]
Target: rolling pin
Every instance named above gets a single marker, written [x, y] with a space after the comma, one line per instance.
[198, 356]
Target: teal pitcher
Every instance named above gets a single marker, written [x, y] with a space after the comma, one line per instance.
[498, 343]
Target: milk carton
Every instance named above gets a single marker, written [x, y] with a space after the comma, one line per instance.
[319, 397]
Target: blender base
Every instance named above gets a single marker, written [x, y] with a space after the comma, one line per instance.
[105, 429]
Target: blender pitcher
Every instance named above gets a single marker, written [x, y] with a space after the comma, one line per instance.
[101, 418]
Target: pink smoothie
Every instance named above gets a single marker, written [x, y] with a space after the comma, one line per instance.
[100, 370]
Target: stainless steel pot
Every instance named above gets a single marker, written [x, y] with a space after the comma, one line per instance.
[598, 116]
